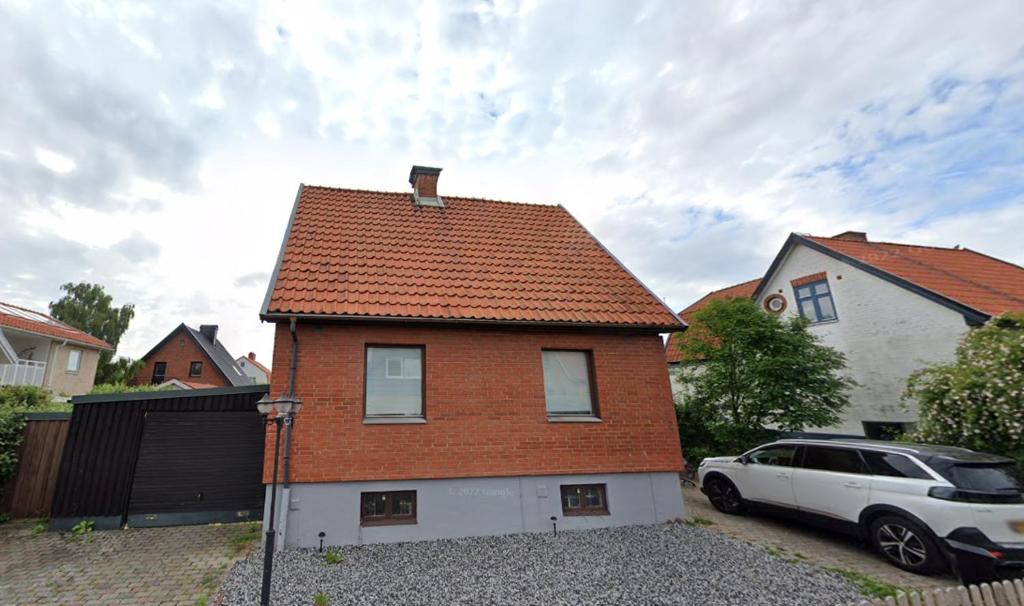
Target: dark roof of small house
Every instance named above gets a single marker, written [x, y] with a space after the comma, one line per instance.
[744, 289]
[28, 320]
[215, 350]
[377, 255]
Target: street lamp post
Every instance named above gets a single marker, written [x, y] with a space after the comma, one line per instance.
[286, 409]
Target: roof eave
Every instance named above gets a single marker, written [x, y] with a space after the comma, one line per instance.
[104, 347]
[657, 328]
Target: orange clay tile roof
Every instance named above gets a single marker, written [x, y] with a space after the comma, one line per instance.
[745, 289]
[370, 254]
[27, 320]
[978, 281]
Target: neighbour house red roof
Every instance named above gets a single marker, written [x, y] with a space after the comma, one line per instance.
[970, 278]
[369, 254]
[744, 289]
[27, 320]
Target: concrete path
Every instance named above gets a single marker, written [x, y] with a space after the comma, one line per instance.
[792, 540]
[179, 565]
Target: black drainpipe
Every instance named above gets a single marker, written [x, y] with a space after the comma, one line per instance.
[291, 394]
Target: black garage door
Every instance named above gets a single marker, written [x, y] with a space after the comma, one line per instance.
[198, 467]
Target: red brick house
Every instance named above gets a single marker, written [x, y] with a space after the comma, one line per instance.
[196, 358]
[466, 367]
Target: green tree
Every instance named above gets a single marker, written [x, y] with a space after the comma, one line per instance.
[88, 308]
[746, 371]
[976, 401]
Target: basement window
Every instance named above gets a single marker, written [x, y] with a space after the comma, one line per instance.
[584, 500]
[394, 382]
[195, 369]
[384, 508]
[159, 372]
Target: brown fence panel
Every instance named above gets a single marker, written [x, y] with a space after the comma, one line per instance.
[30, 492]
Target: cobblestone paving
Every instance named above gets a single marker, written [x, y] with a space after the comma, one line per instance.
[792, 540]
[179, 565]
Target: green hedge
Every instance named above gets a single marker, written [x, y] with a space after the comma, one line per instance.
[15, 401]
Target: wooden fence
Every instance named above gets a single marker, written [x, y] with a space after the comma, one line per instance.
[30, 492]
[1000, 593]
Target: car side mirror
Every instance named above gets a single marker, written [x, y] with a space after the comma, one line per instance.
[743, 460]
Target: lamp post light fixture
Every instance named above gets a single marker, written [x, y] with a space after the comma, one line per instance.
[286, 408]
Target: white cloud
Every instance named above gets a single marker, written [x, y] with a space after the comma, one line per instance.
[56, 162]
[690, 137]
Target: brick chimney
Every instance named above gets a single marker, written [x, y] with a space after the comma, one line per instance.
[424, 186]
[209, 331]
[252, 356]
[852, 236]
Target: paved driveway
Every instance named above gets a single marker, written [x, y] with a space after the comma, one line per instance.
[180, 565]
[791, 540]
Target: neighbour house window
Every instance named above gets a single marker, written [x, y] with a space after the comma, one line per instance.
[195, 369]
[159, 371]
[394, 381]
[584, 500]
[893, 465]
[569, 383]
[840, 460]
[74, 361]
[381, 508]
[814, 301]
[781, 456]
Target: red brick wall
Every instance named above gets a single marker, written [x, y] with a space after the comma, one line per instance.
[180, 351]
[484, 404]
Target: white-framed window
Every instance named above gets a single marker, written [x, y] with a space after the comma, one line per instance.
[568, 383]
[74, 361]
[394, 381]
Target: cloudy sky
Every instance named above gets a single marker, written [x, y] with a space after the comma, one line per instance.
[157, 150]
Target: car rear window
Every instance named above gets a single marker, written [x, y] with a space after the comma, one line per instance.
[893, 465]
[1003, 477]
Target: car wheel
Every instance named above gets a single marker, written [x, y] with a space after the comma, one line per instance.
[724, 495]
[906, 544]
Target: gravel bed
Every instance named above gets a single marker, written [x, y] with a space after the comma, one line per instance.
[664, 564]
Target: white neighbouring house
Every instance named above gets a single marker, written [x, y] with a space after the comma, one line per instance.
[256, 371]
[890, 308]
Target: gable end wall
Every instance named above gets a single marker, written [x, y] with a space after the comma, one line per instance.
[179, 351]
[886, 332]
[485, 406]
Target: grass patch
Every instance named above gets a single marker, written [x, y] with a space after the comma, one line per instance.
[242, 541]
[698, 522]
[40, 526]
[209, 584]
[868, 585]
[320, 599]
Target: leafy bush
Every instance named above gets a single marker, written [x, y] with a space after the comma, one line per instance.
[108, 388]
[15, 401]
[977, 401]
[333, 556]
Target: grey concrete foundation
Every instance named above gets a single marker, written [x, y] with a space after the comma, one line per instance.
[475, 507]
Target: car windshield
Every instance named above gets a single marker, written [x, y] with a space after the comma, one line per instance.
[1003, 477]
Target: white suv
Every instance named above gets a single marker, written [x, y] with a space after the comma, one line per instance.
[924, 508]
